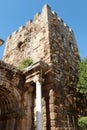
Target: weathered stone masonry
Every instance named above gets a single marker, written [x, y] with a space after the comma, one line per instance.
[50, 43]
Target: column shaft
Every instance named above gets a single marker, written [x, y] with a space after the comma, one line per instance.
[38, 106]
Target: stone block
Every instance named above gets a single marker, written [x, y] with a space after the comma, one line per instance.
[53, 115]
[52, 100]
[52, 128]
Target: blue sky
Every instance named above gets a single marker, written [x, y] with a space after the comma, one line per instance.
[14, 13]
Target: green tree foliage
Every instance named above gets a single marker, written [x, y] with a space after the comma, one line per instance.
[82, 88]
[82, 83]
[82, 122]
[25, 63]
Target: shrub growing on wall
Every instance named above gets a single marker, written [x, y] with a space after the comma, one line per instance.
[25, 63]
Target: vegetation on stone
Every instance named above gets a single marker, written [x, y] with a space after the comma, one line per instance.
[25, 63]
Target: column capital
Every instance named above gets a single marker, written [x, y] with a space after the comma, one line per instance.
[38, 78]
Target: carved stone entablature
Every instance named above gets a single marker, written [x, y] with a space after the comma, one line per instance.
[35, 72]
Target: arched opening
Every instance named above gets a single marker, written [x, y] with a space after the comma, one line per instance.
[9, 101]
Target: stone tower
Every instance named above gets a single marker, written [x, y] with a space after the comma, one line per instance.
[51, 44]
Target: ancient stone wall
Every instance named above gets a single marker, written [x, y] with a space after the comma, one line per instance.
[15, 99]
[63, 49]
[64, 60]
[49, 39]
[31, 40]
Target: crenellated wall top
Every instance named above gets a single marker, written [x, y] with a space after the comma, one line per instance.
[46, 9]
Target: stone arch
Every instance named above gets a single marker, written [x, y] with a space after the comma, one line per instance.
[9, 100]
[10, 94]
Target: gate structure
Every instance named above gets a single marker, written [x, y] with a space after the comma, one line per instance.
[43, 96]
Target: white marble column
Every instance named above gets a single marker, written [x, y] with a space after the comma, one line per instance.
[38, 104]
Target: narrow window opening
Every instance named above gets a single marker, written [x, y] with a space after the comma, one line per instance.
[63, 40]
[71, 46]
